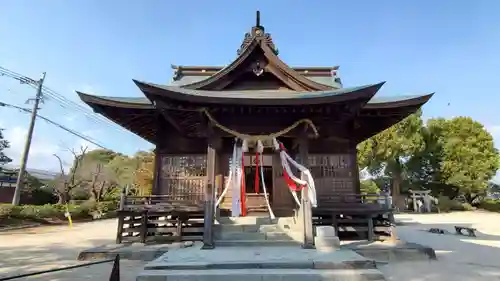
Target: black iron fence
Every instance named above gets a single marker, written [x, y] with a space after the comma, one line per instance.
[114, 276]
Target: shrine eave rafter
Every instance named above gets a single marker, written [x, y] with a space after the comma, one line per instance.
[263, 98]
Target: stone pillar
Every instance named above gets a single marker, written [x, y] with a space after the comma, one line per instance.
[326, 238]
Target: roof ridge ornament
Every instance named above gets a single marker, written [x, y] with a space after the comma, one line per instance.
[257, 33]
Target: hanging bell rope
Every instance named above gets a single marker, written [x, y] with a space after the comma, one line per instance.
[270, 136]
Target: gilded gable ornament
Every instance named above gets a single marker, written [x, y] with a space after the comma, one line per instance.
[257, 69]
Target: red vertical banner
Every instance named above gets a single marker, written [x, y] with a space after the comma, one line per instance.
[243, 193]
[256, 172]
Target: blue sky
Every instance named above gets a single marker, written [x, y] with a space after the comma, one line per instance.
[447, 47]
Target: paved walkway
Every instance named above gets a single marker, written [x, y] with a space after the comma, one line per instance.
[43, 248]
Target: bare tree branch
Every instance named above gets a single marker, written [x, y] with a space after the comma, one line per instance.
[67, 182]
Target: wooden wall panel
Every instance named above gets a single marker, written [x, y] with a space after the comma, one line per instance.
[333, 173]
[282, 198]
[183, 177]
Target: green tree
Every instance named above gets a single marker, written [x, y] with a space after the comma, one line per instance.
[144, 175]
[466, 153]
[4, 144]
[369, 187]
[388, 152]
[95, 175]
[124, 168]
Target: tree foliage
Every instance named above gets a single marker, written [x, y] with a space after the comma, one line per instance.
[466, 153]
[452, 157]
[369, 187]
[4, 144]
[145, 173]
[388, 152]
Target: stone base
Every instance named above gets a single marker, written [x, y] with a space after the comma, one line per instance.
[326, 238]
[327, 242]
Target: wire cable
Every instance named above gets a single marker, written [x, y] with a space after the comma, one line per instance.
[61, 100]
[84, 137]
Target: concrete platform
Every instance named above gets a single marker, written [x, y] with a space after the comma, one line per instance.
[258, 257]
[260, 263]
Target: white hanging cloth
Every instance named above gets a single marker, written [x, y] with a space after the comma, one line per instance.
[306, 177]
[236, 180]
[260, 149]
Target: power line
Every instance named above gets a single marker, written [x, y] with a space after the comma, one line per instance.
[41, 92]
[87, 138]
[61, 100]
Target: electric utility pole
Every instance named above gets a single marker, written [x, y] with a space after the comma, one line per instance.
[27, 144]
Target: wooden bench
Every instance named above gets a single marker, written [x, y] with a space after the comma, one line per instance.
[470, 231]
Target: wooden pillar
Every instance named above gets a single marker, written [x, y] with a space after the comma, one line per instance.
[306, 208]
[214, 144]
[354, 167]
[156, 189]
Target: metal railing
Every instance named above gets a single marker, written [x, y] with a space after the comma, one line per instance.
[114, 276]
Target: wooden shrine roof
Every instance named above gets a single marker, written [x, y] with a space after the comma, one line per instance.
[139, 114]
[256, 82]
[144, 103]
[258, 97]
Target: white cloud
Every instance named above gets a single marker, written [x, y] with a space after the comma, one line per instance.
[42, 150]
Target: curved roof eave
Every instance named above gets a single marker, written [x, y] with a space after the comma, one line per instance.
[122, 102]
[397, 102]
[258, 97]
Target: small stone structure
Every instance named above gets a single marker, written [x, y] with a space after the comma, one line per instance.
[425, 198]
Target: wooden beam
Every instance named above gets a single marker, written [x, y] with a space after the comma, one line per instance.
[172, 121]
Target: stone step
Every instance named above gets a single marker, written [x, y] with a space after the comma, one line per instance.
[256, 243]
[251, 220]
[252, 228]
[255, 220]
[258, 236]
[261, 274]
